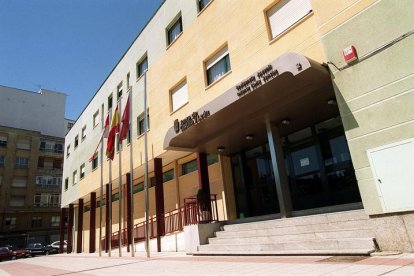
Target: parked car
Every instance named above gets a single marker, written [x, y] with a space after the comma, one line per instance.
[56, 245]
[40, 249]
[6, 254]
[19, 252]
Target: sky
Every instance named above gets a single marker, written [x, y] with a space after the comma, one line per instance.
[69, 46]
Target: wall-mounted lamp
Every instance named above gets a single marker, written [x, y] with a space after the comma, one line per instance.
[220, 149]
[249, 137]
[285, 122]
[332, 102]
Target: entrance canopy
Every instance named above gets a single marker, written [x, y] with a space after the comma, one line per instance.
[292, 88]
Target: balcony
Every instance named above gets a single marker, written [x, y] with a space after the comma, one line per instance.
[51, 152]
[49, 170]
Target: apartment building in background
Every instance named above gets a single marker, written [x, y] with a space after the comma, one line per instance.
[32, 130]
[255, 106]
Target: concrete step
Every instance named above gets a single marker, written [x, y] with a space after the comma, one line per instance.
[265, 238]
[330, 218]
[327, 245]
[295, 229]
[320, 252]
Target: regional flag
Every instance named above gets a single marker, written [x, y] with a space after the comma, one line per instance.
[125, 123]
[103, 135]
[110, 147]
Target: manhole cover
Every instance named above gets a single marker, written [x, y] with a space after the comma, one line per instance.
[343, 259]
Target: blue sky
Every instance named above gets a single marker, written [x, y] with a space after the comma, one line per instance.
[67, 45]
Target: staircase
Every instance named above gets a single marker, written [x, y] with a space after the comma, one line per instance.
[342, 233]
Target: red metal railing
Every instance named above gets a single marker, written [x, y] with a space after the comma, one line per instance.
[196, 210]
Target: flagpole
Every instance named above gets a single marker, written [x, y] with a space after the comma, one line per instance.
[101, 188]
[147, 248]
[119, 184]
[109, 197]
[131, 169]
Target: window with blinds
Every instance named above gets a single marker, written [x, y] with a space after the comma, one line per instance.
[179, 96]
[19, 182]
[286, 13]
[218, 65]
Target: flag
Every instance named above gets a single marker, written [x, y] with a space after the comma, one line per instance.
[110, 147]
[103, 135]
[125, 123]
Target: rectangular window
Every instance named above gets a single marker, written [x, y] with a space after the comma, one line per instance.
[76, 141]
[3, 141]
[128, 81]
[22, 163]
[218, 65]
[2, 160]
[96, 118]
[119, 90]
[10, 223]
[48, 164]
[115, 197]
[83, 132]
[212, 159]
[19, 181]
[36, 222]
[16, 201]
[141, 123]
[179, 96]
[66, 183]
[55, 200]
[23, 144]
[110, 102]
[82, 171]
[138, 188]
[67, 151]
[202, 4]
[95, 161]
[168, 175]
[175, 29]
[75, 178]
[142, 66]
[189, 167]
[58, 148]
[285, 14]
[54, 221]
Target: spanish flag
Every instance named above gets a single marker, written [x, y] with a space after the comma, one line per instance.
[125, 123]
[110, 147]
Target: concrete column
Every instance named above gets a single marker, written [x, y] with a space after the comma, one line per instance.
[107, 218]
[203, 181]
[130, 225]
[70, 230]
[80, 227]
[62, 229]
[159, 201]
[92, 224]
[279, 171]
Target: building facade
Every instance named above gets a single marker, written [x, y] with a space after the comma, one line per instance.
[251, 101]
[32, 130]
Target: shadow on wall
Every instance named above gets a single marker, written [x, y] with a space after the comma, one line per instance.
[348, 120]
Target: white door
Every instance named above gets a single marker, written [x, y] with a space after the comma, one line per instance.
[393, 170]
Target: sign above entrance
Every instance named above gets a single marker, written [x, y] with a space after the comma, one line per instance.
[189, 121]
[257, 80]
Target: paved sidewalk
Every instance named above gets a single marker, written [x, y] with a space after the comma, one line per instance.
[181, 264]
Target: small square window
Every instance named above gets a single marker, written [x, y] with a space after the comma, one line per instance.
[75, 178]
[95, 161]
[179, 96]
[142, 66]
[141, 123]
[66, 183]
[110, 102]
[54, 221]
[36, 222]
[84, 132]
[217, 66]
[67, 150]
[128, 81]
[76, 141]
[119, 90]
[202, 4]
[96, 118]
[82, 171]
[189, 167]
[174, 31]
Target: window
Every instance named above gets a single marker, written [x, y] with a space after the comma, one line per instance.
[174, 30]
[36, 222]
[128, 80]
[119, 90]
[54, 200]
[285, 14]
[138, 188]
[95, 161]
[76, 141]
[10, 223]
[212, 159]
[2, 160]
[23, 144]
[19, 182]
[142, 66]
[84, 132]
[3, 141]
[48, 164]
[218, 65]
[58, 148]
[110, 102]
[202, 4]
[75, 178]
[179, 96]
[96, 118]
[129, 137]
[67, 151]
[16, 201]
[54, 221]
[66, 183]
[168, 175]
[141, 123]
[115, 197]
[82, 171]
[189, 167]
[22, 163]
